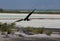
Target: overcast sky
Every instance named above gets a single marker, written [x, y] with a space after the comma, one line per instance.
[30, 4]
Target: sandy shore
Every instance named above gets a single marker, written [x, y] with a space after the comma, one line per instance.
[29, 39]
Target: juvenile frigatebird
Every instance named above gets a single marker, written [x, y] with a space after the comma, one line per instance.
[27, 17]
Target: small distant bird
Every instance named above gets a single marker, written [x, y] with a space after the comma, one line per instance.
[27, 17]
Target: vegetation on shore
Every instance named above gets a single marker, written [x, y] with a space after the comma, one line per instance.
[40, 30]
[4, 27]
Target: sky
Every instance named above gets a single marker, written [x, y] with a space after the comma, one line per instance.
[30, 4]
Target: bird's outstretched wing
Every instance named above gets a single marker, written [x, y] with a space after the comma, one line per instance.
[29, 14]
[19, 20]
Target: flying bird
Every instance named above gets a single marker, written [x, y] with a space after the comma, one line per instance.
[27, 17]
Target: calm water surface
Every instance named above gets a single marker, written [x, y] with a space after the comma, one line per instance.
[47, 23]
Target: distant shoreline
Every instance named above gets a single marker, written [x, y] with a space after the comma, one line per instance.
[20, 11]
[33, 13]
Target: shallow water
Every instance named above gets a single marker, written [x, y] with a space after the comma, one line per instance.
[47, 23]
